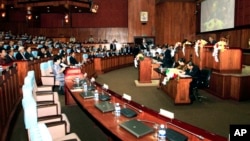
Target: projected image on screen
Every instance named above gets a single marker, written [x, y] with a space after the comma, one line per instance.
[217, 15]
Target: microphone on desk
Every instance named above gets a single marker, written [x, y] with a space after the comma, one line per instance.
[138, 110]
[198, 136]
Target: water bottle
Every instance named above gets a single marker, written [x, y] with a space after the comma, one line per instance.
[162, 133]
[117, 110]
[85, 87]
[96, 95]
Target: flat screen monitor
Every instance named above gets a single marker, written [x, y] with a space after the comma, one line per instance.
[217, 15]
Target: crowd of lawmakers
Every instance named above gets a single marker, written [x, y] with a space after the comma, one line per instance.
[27, 47]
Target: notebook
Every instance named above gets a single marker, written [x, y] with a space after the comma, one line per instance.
[88, 94]
[105, 106]
[137, 128]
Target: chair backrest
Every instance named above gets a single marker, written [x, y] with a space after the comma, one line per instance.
[68, 51]
[15, 53]
[204, 78]
[29, 106]
[68, 61]
[44, 68]
[85, 56]
[34, 53]
[50, 65]
[40, 132]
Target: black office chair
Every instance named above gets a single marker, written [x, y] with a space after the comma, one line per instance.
[202, 82]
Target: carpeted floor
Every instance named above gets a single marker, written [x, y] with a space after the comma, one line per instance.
[213, 114]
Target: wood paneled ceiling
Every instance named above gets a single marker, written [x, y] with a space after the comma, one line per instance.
[50, 6]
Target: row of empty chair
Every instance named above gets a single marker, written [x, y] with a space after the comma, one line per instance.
[42, 113]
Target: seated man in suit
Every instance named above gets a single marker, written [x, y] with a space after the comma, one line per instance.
[28, 54]
[42, 52]
[10, 56]
[72, 59]
[3, 56]
[21, 53]
[194, 72]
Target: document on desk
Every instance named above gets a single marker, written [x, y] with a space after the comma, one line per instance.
[184, 75]
[76, 90]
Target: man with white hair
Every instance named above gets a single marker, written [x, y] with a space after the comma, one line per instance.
[21, 54]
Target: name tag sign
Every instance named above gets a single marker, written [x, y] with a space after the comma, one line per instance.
[127, 97]
[166, 113]
[240, 132]
[105, 86]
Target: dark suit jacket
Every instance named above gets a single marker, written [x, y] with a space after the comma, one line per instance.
[28, 55]
[113, 47]
[195, 72]
[19, 56]
[72, 60]
[9, 59]
[167, 60]
[40, 54]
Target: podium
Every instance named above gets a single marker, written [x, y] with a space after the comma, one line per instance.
[144, 73]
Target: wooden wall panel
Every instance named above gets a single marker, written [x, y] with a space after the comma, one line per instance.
[111, 13]
[81, 34]
[135, 27]
[172, 22]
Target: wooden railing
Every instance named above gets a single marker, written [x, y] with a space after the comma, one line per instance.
[9, 99]
[229, 59]
[24, 66]
[111, 63]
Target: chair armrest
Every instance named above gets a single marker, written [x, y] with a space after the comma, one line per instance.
[44, 92]
[55, 118]
[48, 119]
[44, 88]
[48, 80]
[69, 137]
[57, 129]
[47, 97]
[49, 109]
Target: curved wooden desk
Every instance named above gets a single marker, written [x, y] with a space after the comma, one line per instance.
[9, 100]
[110, 124]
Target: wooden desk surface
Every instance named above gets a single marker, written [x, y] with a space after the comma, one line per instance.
[111, 123]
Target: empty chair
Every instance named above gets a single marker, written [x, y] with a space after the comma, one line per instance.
[85, 57]
[44, 113]
[68, 51]
[50, 66]
[40, 96]
[201, 83]
[68, 60]
[34, 53]
[39, 88]
[49, 132]
[46, 76]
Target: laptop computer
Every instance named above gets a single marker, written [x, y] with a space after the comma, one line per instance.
[173, 135]
[129, 113]
[105, 106]
[104, 97]
[88, 94]
[137, 128]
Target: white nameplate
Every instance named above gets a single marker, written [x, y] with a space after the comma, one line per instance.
[127, 97]
[166, 113]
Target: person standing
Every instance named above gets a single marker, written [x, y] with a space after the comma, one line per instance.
[167, 59]
[113, 46]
